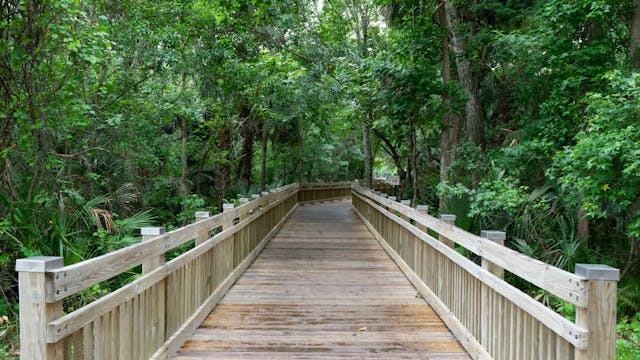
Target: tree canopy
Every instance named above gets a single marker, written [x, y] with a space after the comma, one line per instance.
[521, 116]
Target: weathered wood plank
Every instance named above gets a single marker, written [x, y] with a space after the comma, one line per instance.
[316, 293]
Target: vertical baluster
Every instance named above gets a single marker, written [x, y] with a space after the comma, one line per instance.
[487, 308]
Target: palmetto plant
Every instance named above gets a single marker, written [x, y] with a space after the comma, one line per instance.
[545, 230]
[64, 223]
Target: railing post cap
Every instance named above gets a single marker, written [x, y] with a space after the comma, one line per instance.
[422, 207]
[598, 272]
[243, 200]
[255, 196]
[202, 214]
[153, 230]
[405, 202]
[493, 234]
[448, 217]
[393, 198]
[227, 206]
[273, 191]
[39, 264]
[265, 193]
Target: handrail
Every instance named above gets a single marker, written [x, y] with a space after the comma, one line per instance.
[490, 317]
[568, 286]
[153, 315]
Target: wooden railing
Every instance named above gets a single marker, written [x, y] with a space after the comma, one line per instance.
[152, 316]
[490, 317]
[324, 192]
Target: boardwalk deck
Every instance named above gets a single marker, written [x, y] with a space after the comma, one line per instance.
[323, 289]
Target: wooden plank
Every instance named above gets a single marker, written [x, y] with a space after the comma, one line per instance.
[563, 284]
[88, 341]
[467, 340]
[315, 297]
[571, 332]
[174, 342]
[124, 352]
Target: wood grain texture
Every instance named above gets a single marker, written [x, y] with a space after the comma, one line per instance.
[561, 283]
[323, 288]
[574, 334]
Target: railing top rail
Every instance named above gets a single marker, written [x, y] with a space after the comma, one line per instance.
[343, 184]
[570, 287]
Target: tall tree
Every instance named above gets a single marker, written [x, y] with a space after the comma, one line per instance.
[635, 35]
[452, 121]
[460, 33]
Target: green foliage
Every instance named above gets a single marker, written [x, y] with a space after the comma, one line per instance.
[190, 204]
[628, 344]
[118, 115]
[494, 202]
[602, 169]
[9, 338]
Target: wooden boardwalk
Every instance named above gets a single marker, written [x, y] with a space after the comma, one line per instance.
[323, 289]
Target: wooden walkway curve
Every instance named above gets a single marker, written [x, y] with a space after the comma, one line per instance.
[323, 288]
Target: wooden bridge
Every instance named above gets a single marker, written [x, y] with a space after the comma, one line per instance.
[304, 273]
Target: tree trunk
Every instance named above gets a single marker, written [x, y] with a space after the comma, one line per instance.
[414, 162]
[397, 160]
[263, 165]
[635, 36]
[368, 157]
[184, 187]
[248, 138]
[583, 225]
[468, 80]
[224, 166]
[451, 123]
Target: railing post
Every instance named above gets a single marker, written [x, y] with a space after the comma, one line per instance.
[243, 201]
[228, 222]
[254, 197]
[263, 194]
[35, 310]
[149, 233]
[424, 210]
[203, 236]
[485, 308]
[599, 318]
[444, 281]
[405, 203]
[159, 318]
[451, 220]
[497, 237]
